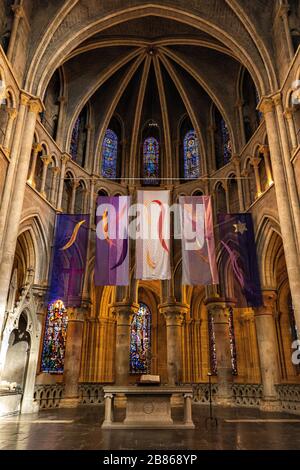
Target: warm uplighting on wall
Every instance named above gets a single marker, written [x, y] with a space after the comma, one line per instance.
[270, 182]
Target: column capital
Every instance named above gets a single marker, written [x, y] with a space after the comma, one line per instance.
[123, 312]
[76, 314]
[264, 148]
[46, 159]
[35, 105]
[255, 161]
[56, 170]
[236, 160]
[24, 98]
[288, 113]
[12, 113]
[269, 298]
[37, 148]
[266, 105]
[277, 98]
[174, 314]
[218, 307]
[18, 10]
[65, 158]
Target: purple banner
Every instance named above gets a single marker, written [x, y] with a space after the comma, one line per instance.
[198, 244]
[112, 246]
[68, 259]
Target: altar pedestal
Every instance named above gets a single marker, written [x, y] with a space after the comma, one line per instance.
[147, 407]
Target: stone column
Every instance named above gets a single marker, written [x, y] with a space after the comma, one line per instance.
[291, 126]
[283, 13]
[264, 149]
[225, 186]
[239, 106]
[284, 210]
[73, 358]
[255, 162]
[56, 172]
[123, 313]
[46, 159]
[36, 149]
[12, 114]
[18, 14]
[73, 196]
[10, 175]
[174, 315]
[211, 133]
[290, 175]
[60, 122]
[237, 164]
[10, 239]
[266, 339]
[64, 159]
[219, 309]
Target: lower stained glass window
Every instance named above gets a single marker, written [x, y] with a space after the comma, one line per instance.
[140, 341]
[54, 344]
[191, 156]
[109, 155]
[212, 344]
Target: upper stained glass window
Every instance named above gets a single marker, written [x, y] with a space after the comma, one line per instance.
[151, 161]
[79, 138]
[53, 354]
[226, 142]
[140, 341]
[75, 139]
[110, 155]
[191, 156]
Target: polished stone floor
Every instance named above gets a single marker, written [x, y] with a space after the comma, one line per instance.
[80, 429]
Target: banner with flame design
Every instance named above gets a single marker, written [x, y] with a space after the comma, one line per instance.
[197, 240]
[153, 237]
[112, 246]
[68, 261]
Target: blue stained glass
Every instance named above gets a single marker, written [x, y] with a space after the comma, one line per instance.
[226, 142]
[75, 139]
[191, 156]
[54, 343]
[140, 341]
[151, 161]
[109, 155]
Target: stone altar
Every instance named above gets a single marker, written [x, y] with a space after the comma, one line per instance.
[147, 407]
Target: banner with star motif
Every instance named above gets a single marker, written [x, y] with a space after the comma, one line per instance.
[239, 249]
[199, 265]
[153, 238]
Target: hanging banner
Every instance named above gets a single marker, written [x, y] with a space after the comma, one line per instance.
[153, 236]
[112, 246]
[238, 241]
[68, 262]
[197, 241]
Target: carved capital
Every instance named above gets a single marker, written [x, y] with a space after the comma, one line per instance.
[46, 159]
[277, 99]
[255, 161]
[24, 98]
[269, 303]
[35, 106]
[37, 148]
[12, 112]
[266, 105]
[65, 158]
[18, 11]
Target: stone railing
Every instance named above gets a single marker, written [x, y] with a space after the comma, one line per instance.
[91, 394]
[201, 393]
[48, 396]
[247, 394]
[289, 395]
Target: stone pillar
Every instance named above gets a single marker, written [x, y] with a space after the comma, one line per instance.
[255, 162]
[264, 149]
[284, 210]
[18, 14]
[64, 159]
[289, 170]
[237, 163]
[211, 133]
[46, 159]
[73, 196]
[225, 186]
[36, 149]
[123, 313]
[73, 358]
[239, 106]
[291, 126]
[10, 175]
[283, 13]
[174, 314]
[10, 239]
[266, 339]
[60, 122]
[12, 114]
[219, 309]
[56, 171]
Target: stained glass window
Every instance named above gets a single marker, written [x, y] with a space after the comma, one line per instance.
[55, 338]
[75, 139]
[151, 161]
[140, 341]
[191, 156]
[213, 346]
[110, 155]
[226, 142]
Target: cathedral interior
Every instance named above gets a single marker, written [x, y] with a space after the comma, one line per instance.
[196, 97]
